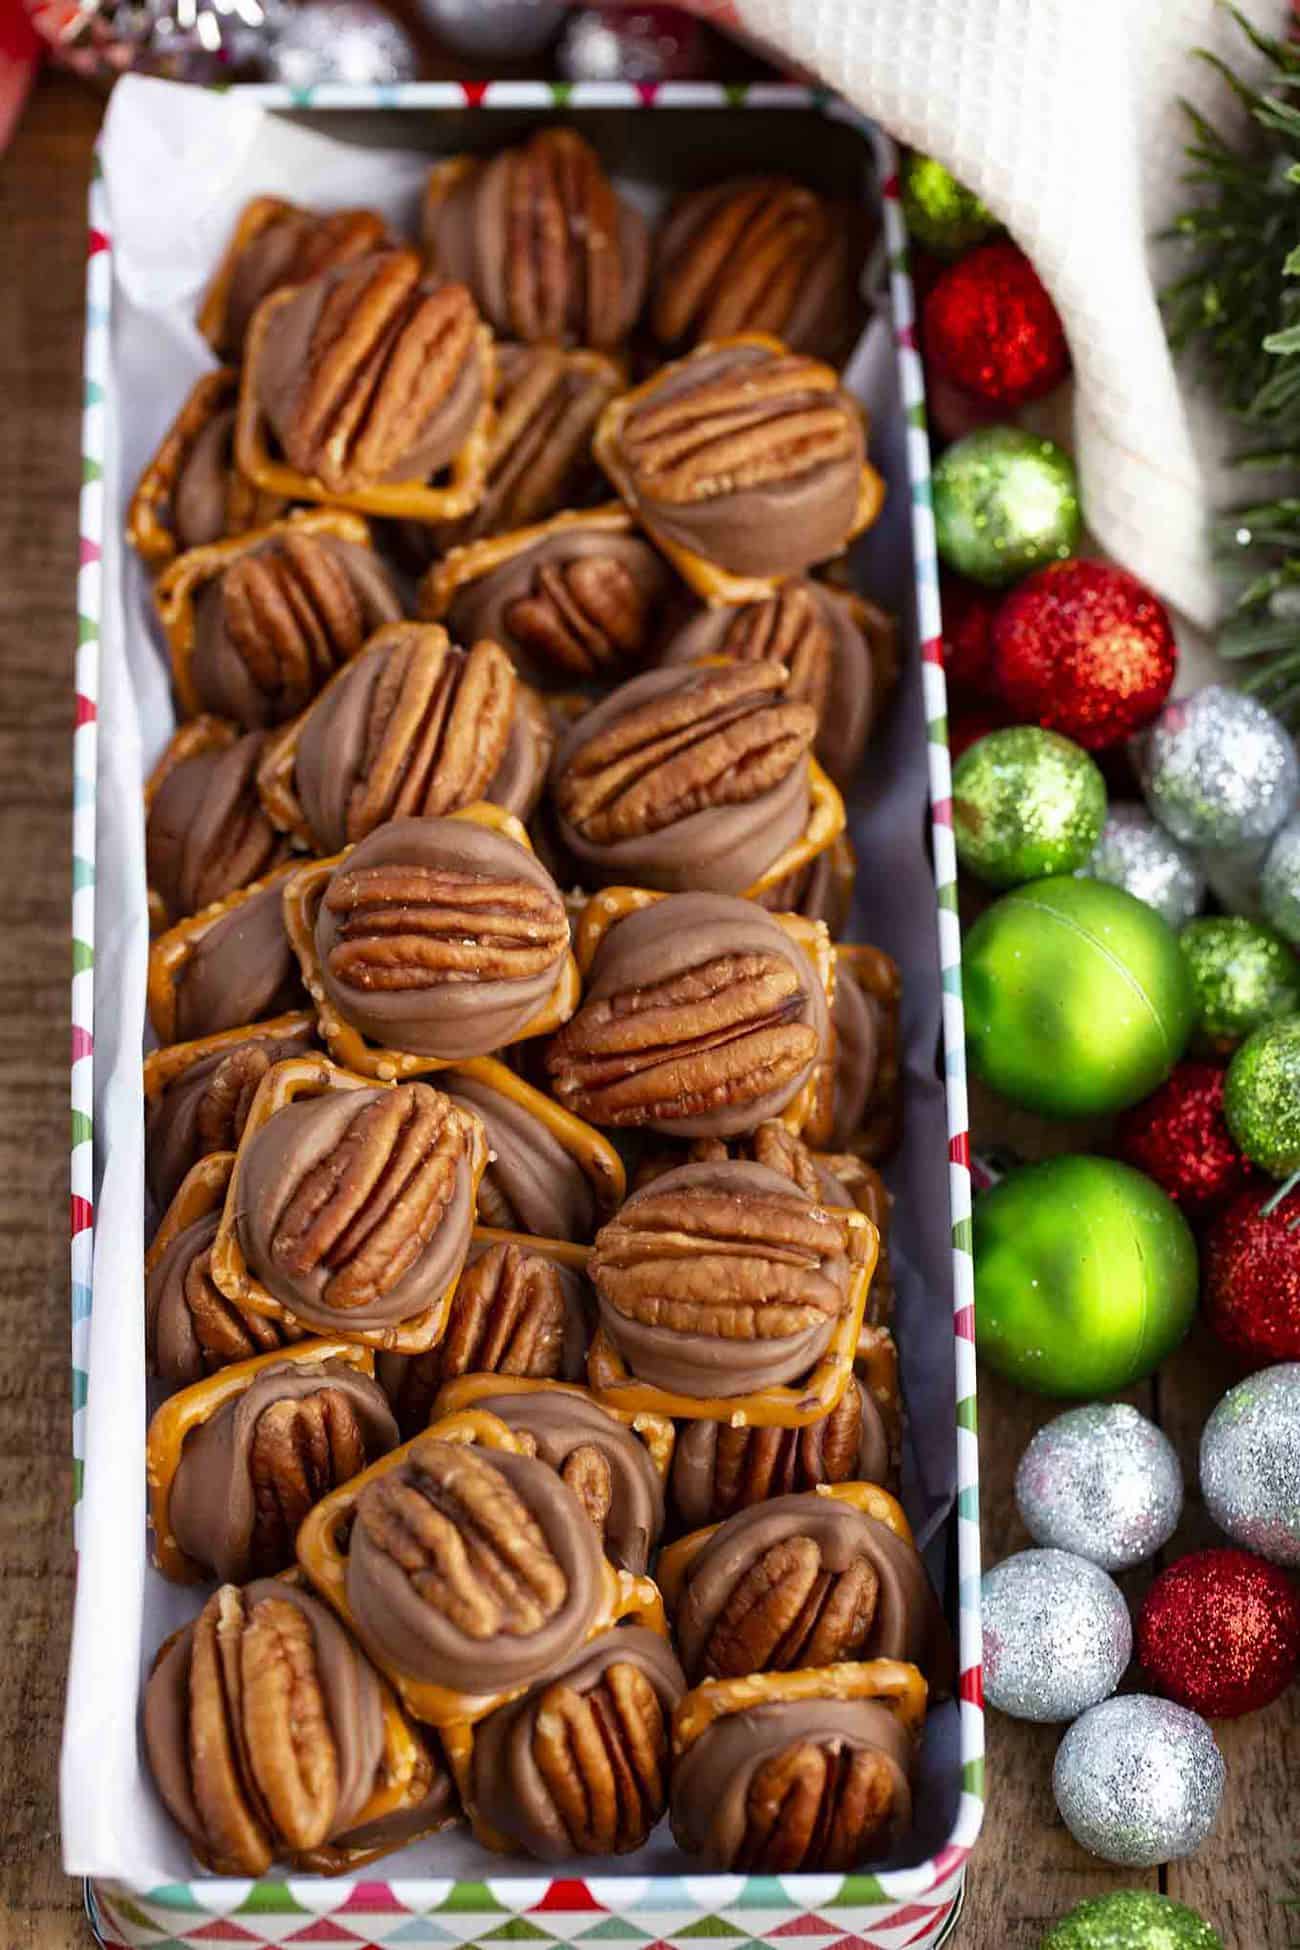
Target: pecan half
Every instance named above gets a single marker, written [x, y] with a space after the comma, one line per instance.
[788, 1610]
[757, 255]
[818, 1805]
[580, 1764]
[300, 1450]
[718, 1470]
[263, 1726]
[369, 373]
[701, 1018]
[553, 254]
[665, 748]
[192, 1328]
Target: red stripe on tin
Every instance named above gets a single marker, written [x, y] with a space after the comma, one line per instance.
[804, 1926]
[647, 90]
[376, 1897]
[83, 1214]
[970, 1686]
[963, 1323]
[85, 710]
[932, 650]
[959, 1149]
[927, 1929]
[83, 1043]
[906, 337]
[96, 242]
[890, 189]
[567, 1893]
[949, 1859]
[473, 92]
[88, 551]
[943, 812]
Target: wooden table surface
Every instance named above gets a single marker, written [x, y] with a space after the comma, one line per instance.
[1027, 1871]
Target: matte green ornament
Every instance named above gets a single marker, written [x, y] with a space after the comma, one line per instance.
[1025, 803]
[1085, 1276]
[1132, 1919]
[1005, 501]
[1261, 1097]
[1078, 1000]
[1242, 975]
[942, 213]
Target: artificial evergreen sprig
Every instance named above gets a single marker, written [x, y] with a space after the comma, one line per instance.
[1236, 312]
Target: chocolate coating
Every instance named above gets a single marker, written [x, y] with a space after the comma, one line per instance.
[215, 1504]
[206, 834]
[223, 679]
[204, 1109]
[573, 604]
[199, 494]
[434, 1810]
[293, 1143]
[811, 629]
[717, 1470]
[511, 1790]
[779, 526]
[907, 1623]
[242, 970]
[532, 1184]
[420, 1638]
[692, 828]
[191, 1329]
[712, 1783]
[857, 1019]
[572, 1434]
[353, 1704]
[295, 244]
[474, 1003]
[687, 941]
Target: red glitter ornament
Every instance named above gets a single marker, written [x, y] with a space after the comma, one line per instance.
[1179, 1136]
[968, 613]
[1219, 1631]
[1250, 1276]
[1085, 649]
[990, 329]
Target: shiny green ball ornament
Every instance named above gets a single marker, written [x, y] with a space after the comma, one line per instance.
[1085, 1276]
[1025, 803]
[1132, 1919]
[1261, 1097]
[942, 213]
[1005, 501]
[1078, 1000]
[1242, 975]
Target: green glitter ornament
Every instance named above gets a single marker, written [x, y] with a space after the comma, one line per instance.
[1025, 803]
[1078, 1001]
[942, 213]
[1005, 501]
[1261, 1097]
[1132, 1919]
[1242, 974]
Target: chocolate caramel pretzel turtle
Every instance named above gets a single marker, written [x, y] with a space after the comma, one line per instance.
[270, 1737]
[760, 254]
[433, 941]
[717, 1284]
[225, 967]
[191, 492]
[522, 1307]
[799, 1772]
[550, 250]
[236, 1461]
[840, 650]
[804, 1580]
[350, 1205]
[370, 387]
[414, 726]
[701, 1016]
[198, 1094]
[548, 1174]
[615, 1464]
[257, 624]
[579, 1764]
[577, 597]
[206, 834]
[745, 463]
[692, 778]
[275, 244]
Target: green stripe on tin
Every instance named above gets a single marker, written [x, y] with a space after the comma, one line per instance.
[91, 469]
[126, 1912]
[79, 1388]
[936, 730]
[270, 1899]
[968, 1505]
[516, 1929]
[96, 167]
[963, 1238]
[921, 494]
[94, 393]
[83, 874]
[947, 896]
[734, 93]
[78, 1478]
[301, 97]
[87, 630]
[82, 1128]
[968, 1414]
[710, 1926]
[865, 1890]
[898, 261]
[614, 1929]
[951, 981]
[972, 1777]
[762, 1892]
[83, 957]
[470, 1896]
[915, 417]
[560, 92]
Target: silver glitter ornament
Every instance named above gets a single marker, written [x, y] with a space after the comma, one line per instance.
[349, 41]
[1279, 882]
[491, 30]
[1138, 855]
[1102, 1482]
[1217, 768]
[1139, 1780]
[1250, 1463]
[1057, 1635]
